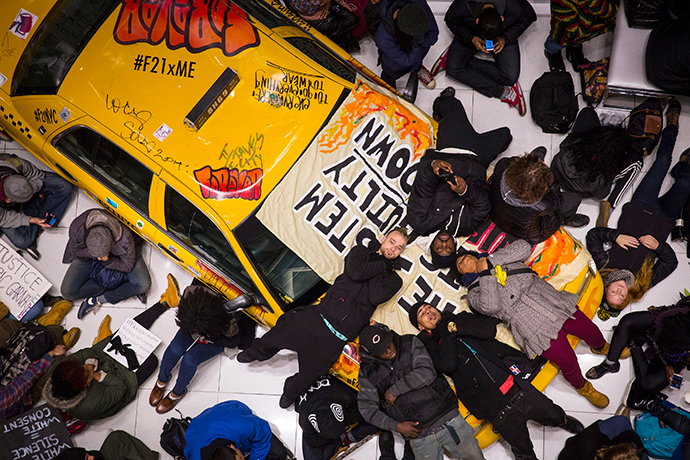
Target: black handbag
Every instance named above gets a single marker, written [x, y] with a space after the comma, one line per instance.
[646, 14]
[172, 437]
[644, 125]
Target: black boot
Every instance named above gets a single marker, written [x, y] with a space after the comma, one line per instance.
[555, 61]
[573, 425]
[641, 400]
[387, 444]
[410, 91]
[602, 369]
[576, 57]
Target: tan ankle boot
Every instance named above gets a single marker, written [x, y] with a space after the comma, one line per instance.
[172, 294]
[604, 214]
[56, 313]
[598, 399]
[71, 337]
[605, 351]
[103, 330]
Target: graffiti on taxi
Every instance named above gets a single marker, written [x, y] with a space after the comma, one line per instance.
[195, 25]
[116, 105]
[296, 90]
[46, 116]
[5, 50]
[171, 160]
[181, 68]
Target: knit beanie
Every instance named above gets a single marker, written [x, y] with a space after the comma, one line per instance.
[618, 275]
[17, 188]
[375, 339]
[413, 313]
[440, 261]
[99, 241]
[412, 20]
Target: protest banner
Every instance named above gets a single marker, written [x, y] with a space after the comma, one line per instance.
[132, 340]
[38, 434]
[21, 284]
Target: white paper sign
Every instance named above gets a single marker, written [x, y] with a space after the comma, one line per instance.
[138, 338]
[21, 285]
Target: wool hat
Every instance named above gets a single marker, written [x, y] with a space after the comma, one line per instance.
[17, 188]
[440, 261]
[375, 339]
[414, 309]
[99, 241]
[412, 20]
[618, 275]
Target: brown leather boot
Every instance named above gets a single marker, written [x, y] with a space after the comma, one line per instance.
[172, 294]
[56, 313]
[605, 351]
[169, 402]
[157, 393]
[103, 330]
[598, 399]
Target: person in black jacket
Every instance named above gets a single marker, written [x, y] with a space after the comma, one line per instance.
[400, 390]
[526, 201]
[639, 257]
[319, 332]
[615, 434]
[448, 191]
[667, 58]
[473, 23]
[491, 379]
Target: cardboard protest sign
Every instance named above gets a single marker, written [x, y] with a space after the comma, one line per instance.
[132, 336]
[21, 285]
[39, 434]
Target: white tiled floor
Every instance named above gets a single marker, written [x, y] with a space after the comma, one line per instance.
[259, 385]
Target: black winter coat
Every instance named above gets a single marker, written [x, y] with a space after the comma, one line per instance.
[366, 282]
[667, 59]
[636, 220]
[435, 206]
[462, 15]
[474, 386]
[535, 222]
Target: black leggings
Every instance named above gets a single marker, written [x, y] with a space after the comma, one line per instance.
[146, 319]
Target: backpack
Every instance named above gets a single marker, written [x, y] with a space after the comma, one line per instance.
[659, 440]
[644, 125]
[25, 346]
[553, 103]
[646, 14]
[593, 78]
[172, 437]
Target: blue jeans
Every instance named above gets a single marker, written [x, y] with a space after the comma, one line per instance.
[32, 313]
[456, 437]
[551, 46]
[191, 359]
[486, 77]
[77, 283]
[53, 198]
[672, 202]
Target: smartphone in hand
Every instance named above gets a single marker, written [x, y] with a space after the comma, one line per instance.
[489, 44]
[51, 220]
[676, 381]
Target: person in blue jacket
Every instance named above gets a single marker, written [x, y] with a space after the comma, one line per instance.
[231, 429]
[404, 36]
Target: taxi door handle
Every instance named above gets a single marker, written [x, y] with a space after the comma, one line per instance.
[64, 171]
[169, 252]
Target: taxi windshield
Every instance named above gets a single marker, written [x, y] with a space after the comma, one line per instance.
[57, 43]
[283, 271]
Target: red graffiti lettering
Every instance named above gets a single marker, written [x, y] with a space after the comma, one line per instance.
[196, 25]
[223, 183]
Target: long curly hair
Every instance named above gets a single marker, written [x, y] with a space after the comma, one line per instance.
[69, 379]
[202, 312]
[671, 334]
[643, 278]
[601, 151]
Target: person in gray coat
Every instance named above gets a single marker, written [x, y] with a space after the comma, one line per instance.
[29, 199]
[539, 316]
[105, 262]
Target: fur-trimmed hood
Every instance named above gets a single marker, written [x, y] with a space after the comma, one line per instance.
[60, 403]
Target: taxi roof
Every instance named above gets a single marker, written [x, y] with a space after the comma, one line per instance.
[148, 66]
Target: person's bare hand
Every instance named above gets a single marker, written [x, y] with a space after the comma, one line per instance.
[460, 186]
[38, 221]
[669, 373]
[390, 399]
[480, 44]
[59, 350]
[440, 165]
[499, 44]
[650, 242]
[627, 241]
[408, 429]
[89, 373]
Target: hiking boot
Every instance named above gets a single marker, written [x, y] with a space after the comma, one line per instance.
[56, 312]
[71, 337]
[577, 221]
[410, 91]
[673, 113]
[604, 214]
[575, 56]
[171, 296]
[32, 250]
[285, 402]
[103, 330]
[602, 369]
[426, 78]
[573, 425]
[516, 99]
[87, 306]
[440, 64]
[245, 358]
[605, 351]
[539, 152]
[555, 61]
[598, 399]
[157, 393]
